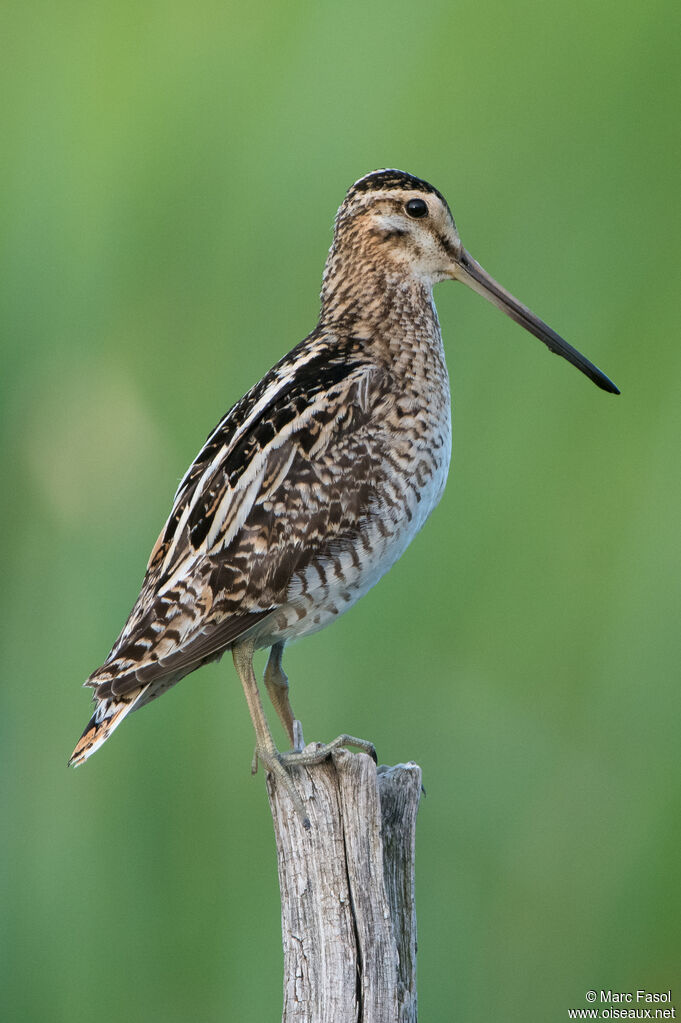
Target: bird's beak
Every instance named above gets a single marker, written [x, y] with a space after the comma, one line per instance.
[466, 269]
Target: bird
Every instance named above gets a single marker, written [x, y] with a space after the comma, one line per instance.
[315, 482]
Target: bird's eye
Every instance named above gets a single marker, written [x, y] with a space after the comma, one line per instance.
[417, 208]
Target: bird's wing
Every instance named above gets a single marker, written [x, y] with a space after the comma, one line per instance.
[285, 476]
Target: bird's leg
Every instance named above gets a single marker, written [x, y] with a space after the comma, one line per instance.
[265, 749]
[277, 687]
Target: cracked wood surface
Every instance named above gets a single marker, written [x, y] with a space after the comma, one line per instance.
[347, 891]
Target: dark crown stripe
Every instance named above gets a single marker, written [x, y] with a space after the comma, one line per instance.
[382, 180]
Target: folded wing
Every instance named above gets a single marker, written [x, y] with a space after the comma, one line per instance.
[284, 479]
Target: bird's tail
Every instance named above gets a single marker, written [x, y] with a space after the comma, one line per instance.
[108, 715]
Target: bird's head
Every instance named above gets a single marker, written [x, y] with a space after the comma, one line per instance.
[397, 227]
[400, 222]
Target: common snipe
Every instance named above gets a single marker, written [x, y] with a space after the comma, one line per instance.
[315, 482]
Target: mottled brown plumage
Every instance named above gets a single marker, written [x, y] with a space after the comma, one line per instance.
[315, 482]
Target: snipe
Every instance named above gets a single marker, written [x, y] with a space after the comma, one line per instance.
[315, 482]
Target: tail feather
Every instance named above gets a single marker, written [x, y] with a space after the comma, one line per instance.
[107, 716]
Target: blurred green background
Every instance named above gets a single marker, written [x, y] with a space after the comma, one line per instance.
[169, 177]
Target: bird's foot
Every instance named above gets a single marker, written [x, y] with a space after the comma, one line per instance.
[298, 745]
[274, 762]
[278, 763]
[316, 752]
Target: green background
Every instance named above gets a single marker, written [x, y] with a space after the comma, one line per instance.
[169, 176]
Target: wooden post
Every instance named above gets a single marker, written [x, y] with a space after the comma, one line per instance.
[347, 891]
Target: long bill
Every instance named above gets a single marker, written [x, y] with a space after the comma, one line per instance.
[471, 273]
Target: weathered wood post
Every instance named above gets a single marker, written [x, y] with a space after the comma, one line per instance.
[347, 891]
